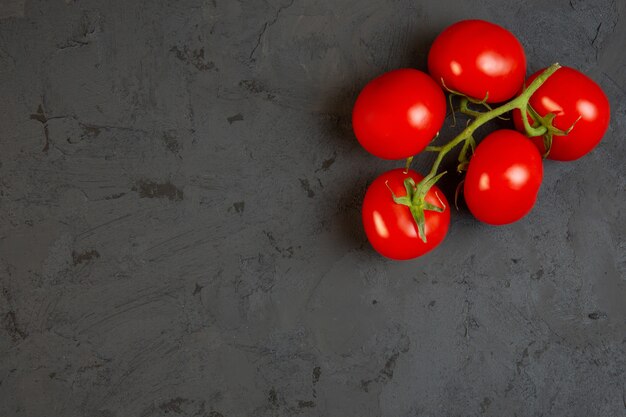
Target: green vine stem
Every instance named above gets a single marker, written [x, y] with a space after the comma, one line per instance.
[466, 137]
[520, 102]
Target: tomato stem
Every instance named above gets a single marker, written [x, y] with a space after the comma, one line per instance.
[531, 130]
[409, 160]
[464, 108]
[520, 102]
[418, 204]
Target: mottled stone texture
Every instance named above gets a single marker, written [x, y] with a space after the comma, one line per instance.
[180, 231]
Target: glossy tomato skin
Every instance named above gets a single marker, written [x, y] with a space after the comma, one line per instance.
[398, 113]
[503, 178]
[390, 227]
[476, 57]
[570, 94]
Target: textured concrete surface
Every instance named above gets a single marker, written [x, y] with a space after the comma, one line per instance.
[180, 231]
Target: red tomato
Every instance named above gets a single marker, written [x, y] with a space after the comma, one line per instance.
[570, 95]
[475, 57]
[390, 227]
[503, 178]
[398, 114]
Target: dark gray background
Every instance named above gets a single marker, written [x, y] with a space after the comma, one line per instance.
[180, 230]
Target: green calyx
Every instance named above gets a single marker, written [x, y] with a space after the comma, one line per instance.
[544, 126]
[416, 193]
[415, 200]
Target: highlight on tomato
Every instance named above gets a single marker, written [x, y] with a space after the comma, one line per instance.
[478, 59]
[576, 102]
[391, 227]
[503, 178]
[398, 113]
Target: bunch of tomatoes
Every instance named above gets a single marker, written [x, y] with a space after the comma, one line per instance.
[559, 113]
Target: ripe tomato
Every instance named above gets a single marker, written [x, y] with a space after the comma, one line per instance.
[570, 95]
[503, 178]
[390, 227]
[475, 57]
[398, 113]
